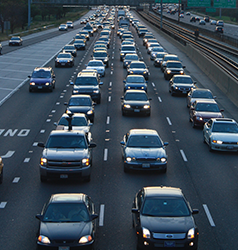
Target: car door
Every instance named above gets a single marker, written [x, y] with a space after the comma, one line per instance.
[207, 130]
[123, 146]
[139, 199]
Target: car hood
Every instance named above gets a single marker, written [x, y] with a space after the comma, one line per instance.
[145, 152]
[64, 59]
[182, 85]
[137, 69]
[133, 102]
[40, 80]
[64, 153]
[230, 137]
[208, 114]
[175, 69]
[65, 230]
[167, 224]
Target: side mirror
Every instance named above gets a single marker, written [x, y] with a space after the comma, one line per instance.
[184, 67]
[66, 103]
[101, 83]
[41, 144]
[122, 98]
[166, 143]
[122, 143]
[71, 83]
[94, 216]
[124, 81]
[92, 145]
[134, 210]
[39, 217]
[29, 76]
[194, 82]
[222, 110]
[195, 211]
[85, 65]
[214, 97]
[150, 99]
[55, 123]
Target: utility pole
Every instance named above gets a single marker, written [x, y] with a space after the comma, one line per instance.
[161, 14]
[29, 14]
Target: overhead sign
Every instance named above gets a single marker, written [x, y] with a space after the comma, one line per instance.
[210, 9]
[167, 1]
[224, 4]
[199, 3]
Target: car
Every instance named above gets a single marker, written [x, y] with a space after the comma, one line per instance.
[220, 23]
[159, 58]
[89, 84]
[81, 104]
[106, 40]
[78, 121]
[42, 78]
[203, 110]
[143, 149]
[221, 134]
[67, 154]
[138, 68]
[181, 84]
[219, 29]
[67, 221]
[128, 42]
[152, 46]
[125, 49]
[202, 22]
[192, 19]
[149, 41]
[146, 37]
[155, 51]
[70, 24]
[173, 68]
[135, 82]
[197, 18]
[88, 27]
[79, 37]
[83, 21]
[213, 22]
[71, 49]
[206, 19]
[198, 94]
[181, 15]
[187, 13]
[101, 55]
[100, 46]
[0, 49]
[129, 58]
[15, 41]
[98, 65]
[1, 170]
[63, 27]
[166, 58]
[163, 219]
[142, 31]
[64, 59]
[135, 102]
[85, 33]
[79, 44]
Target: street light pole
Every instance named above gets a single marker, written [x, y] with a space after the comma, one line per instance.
[29, 14]
[161, 14]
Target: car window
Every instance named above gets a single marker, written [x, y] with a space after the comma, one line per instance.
[202, 94]
[64, 56]
[65, 141]
[76, 121]
[144, 141]
[41, 74]
[165, 207]
[135, 79]
[137, 65]
[174, 65]
[182, 80]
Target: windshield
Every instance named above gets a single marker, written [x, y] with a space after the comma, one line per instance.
[165, 207]
[183, 80]
[167, 58]
[41, 74]
[86, 81]
[128, 48]
[15, 38]
[135, 79]
[64, 56]
[135, 97]
[137, 65]
[66, 212]
[76, 121]
[225, 128]
[69, 47]
[144, 141]
[202, 94]
[80, 102]
[100, 54]
[95, 64]
[131, 57]
[66, 141]
[174, 65]
[207, 107]
[157, 49]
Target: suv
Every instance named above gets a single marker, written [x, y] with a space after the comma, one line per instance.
[42, 78]
[89, 84]
[66, 155]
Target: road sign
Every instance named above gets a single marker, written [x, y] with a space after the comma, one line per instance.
[199, 3]
[210, 9]
[224, 4]
[167, 1]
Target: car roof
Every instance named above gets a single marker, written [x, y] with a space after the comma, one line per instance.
[143, 131]
[67, 197]
[184, 76]
[223, 120]
[201, 90]
[80, 96]
[42, 69]
[163, 191]
[74, 115]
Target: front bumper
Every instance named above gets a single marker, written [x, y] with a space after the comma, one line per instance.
[145, 166]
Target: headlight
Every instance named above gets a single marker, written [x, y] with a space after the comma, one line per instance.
[144, 72]
[32, 83]
[129, 159]
[181, 72]
[122, 54]
[146, 106]
[168, 71]
[89, 112]
[191, 233]
[163, 159]
[153, 55]
[130, 72]
[217, 142]
[96, 91]
[85, 161]
[75, 91]
[127, 106]
[105, 60]
[85, 239]
[199, 118]
[146, 233]
[43, 161]
[43, 239]
[47, 83]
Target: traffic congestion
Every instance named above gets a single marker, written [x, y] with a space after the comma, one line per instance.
[110, 156]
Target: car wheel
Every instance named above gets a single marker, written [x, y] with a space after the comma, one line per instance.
[30, 90]
[56, 65]
[99, 101]
[210, 148]
[204, 141]
[123, 113]
[172, 93]
[163, 171]
[43, 179]
[193, 124]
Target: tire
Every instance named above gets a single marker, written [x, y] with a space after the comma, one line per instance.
[99, 101]
[163, 171]
[43, 179]
[172, 93]
[30, 90]
[126, 170]
[209, 145]
[193, 124]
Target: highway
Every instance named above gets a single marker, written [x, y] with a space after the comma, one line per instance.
[208, 180]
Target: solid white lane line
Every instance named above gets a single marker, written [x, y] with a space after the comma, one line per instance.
[153, 84]
[168, 120]
[183, 155]
[16, 180]
[105, 154]
[108, 119]
[160, 100]
[109, 98]
[101, 215]
[208, 215]
[3, 204]
[111, 72]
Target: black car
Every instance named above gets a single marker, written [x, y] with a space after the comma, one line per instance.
[163, 219]
[81, 104]
[79, 44]
[70, 49]
[135, 102]
[193, 19]
[42, 78]
[64, 59]
[159, 58]
[219, 29]
[138, 68]
[67, 221]
[173, 68]
[15, 41]
[181, 84]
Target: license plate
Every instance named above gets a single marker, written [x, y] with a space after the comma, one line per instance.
[136, 110]
[146, 165]
[184, 92]
[169, 244]
[229, 147]
[39, 87]
[63, 176]
[63, 64]
[64, 248]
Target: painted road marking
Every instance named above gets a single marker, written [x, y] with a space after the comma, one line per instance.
[3, 204]
[16, 180]
[108, 119]
[105, 154]
[8, 154]
[208, 215]
[183, 155]
[101, 215]
[168, 120]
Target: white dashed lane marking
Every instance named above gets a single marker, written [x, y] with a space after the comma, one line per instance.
[183, 155]
[208, 215]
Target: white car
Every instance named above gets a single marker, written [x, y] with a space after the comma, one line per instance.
[98, 65]
[221, 134]
[63, 27]
[213, 22]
